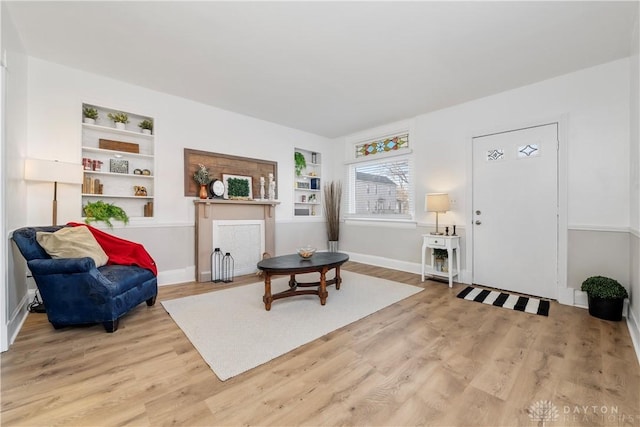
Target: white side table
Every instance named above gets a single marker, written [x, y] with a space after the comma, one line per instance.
[450, 243]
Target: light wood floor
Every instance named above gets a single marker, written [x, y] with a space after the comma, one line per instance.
[432, 359]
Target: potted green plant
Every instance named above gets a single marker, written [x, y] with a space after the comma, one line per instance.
[440, 256]
[90, 115]
[301, 162]
[146, 125]
[202, 178]
[120, 119]
[101, 211]
[606, 297]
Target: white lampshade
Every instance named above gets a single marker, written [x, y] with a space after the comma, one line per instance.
[52, 171]
[436, 202]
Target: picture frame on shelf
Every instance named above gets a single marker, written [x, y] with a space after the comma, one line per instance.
[237, 187]
[118, 166]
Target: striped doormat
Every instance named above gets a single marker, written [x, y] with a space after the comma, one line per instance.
[504, 300]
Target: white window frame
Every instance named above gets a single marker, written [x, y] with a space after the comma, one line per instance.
[350, 166]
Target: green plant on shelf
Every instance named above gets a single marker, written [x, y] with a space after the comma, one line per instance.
[440, 254]
[101, 211]
[201, 176]
[119, 117]
[90, 113]
[146, 124]
[301, 162]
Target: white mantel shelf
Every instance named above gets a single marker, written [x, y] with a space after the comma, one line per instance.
[237, 202]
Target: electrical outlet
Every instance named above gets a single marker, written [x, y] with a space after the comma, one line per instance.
[453, 202]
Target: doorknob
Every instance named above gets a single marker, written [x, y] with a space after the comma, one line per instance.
[478, 222]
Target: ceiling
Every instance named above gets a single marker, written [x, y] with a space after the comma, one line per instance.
[329, 68]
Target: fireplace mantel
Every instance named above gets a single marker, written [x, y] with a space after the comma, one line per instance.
[208, 210]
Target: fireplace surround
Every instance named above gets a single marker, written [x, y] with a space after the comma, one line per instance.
[209, 210]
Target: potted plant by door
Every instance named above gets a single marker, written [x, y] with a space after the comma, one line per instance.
[606, 297]
[90, 115]
[120, 119]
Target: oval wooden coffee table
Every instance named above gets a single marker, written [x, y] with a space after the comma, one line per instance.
[320, 262]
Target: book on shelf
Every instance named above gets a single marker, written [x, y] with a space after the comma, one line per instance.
[91, 186]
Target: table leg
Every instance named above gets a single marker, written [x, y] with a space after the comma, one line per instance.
[424, 248]
[292, 281]
[322, 292]
[338, 278]
[267, 292]
[450, 263]
[458, 263]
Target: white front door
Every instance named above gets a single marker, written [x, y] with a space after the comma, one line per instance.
[515, 210]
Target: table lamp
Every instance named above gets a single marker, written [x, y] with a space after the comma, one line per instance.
[438, 203]
[53, 171]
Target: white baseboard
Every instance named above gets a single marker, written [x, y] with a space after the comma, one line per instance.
[181, 275]
[18, 317]
[394, 264]
[566, 296]
[634, 330]
[580, 299]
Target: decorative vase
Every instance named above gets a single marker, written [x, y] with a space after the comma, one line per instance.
[89, 121]
[203, 191]
[146, 131]
[120, 125]
[333, 246]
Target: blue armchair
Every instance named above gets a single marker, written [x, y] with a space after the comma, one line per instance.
[75, 292]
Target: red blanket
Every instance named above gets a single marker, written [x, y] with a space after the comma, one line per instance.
[121, 251]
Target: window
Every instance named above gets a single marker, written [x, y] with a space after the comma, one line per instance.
[380, 180]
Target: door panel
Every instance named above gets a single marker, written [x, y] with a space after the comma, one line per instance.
[515, 210]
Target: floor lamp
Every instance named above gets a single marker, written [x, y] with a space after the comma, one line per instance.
[53, 171]
[438, 203]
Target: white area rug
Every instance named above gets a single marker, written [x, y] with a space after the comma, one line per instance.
[234, 333]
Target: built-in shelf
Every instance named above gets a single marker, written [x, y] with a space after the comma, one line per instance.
[109, 163]
[123, 175]
[308, 185]
[115, 153]
[114, 196]
[115, 131]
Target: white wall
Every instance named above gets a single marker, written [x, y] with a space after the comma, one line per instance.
[634, 190]
[596, 103]
[54, 132]
[14, 206]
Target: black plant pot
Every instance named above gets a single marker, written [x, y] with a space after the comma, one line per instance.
[606, 308]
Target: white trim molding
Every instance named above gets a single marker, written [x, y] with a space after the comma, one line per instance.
[603, 228]
[394, 264]
[633, 325]
[173, 277]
